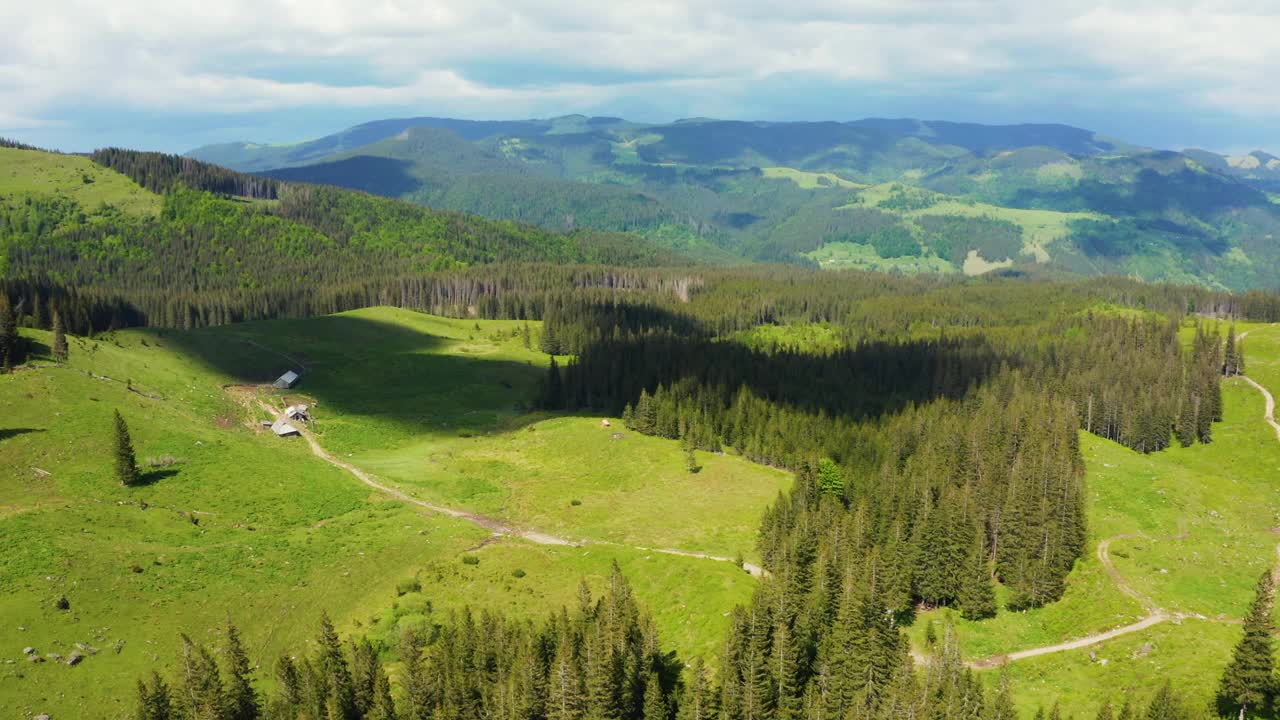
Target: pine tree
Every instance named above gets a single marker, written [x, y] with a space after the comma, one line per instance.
[1166, 705]
[977, 597]
[646, 415]
[1247, 681]
[1002, 706]
[8, 334]
[59, 349]
[564, 691]
[154, 702]
[202, 695]
[553, 394]
[698, 701]
[126, 464]
[691, 460]
[1185, 429]
[1230, 366]
[241, 698]
[655, 706]
[417, 691]
[289, 685]
[333, 667]
[830, 479]
[550, 343]
[525, 336]
[384, 707]
[785, 667]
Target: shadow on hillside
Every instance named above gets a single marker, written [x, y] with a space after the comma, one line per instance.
[374, 175]
[358, 366]
[6, 433]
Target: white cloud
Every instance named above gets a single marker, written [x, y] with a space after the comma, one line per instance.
[215, 57]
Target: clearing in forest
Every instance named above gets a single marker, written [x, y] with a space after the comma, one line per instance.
[234, 519]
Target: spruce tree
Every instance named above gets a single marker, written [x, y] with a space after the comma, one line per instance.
[698, 701]
[289, 685]
[1166, 705]
[241, 698]
[830, 478]
[364, 674]
[977, 598]
[154, 702]
[1002, 706]
[335, 672]
[126, 464]
[1230, 366]
[8, 334]
[416, 689]
[384, 707]
[553, 394]
[564, 682]
[59, 348]
[1247, 681]
[655, 706]
[201, 696]
[785, 662]
[691, 460]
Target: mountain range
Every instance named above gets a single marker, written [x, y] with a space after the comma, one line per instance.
[888, 194]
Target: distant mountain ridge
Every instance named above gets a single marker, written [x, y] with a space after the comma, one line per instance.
[879, 193]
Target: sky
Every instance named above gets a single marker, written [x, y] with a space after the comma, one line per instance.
[175, 74]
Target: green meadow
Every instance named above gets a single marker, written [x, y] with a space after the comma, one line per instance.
[234, 522]
[30, 172]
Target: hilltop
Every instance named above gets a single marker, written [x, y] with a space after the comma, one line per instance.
[907, 195]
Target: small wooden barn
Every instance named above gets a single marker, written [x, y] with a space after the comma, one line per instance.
[287, 380]
[298, 412]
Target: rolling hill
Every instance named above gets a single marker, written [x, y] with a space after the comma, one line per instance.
[800, 191]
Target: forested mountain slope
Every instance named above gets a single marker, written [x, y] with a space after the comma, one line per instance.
[908, 195]
[193, 244]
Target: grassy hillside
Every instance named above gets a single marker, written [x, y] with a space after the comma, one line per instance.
[87, 184]
[250, 525]
[774, 191]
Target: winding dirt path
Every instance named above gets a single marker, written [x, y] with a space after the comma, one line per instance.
[1270, 414]
[1155, 614]
[497, 527]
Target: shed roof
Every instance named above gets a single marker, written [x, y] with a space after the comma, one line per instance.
[283, 428]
